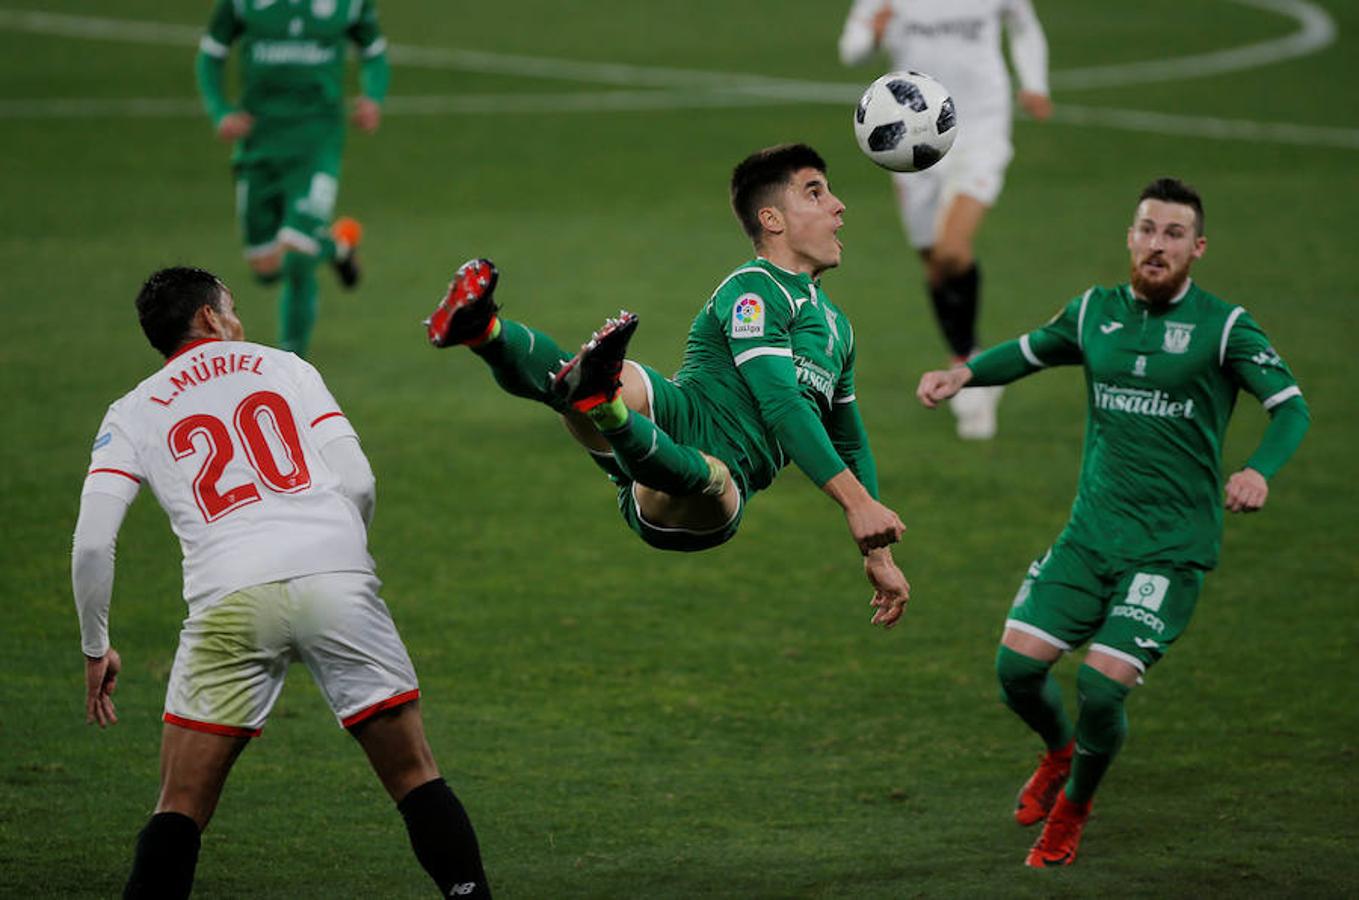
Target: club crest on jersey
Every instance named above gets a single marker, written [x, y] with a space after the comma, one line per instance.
[1140, 366]
[323, 9]
[1177, 337]
[747, 316]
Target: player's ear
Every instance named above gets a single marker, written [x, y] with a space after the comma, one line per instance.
[1200, 246]
[771, 219]
[207, 322]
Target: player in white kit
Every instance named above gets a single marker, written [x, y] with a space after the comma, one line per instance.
[958, 43]
[270, 495]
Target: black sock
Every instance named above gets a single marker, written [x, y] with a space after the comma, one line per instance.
[955, 307]
[443, 840]
[167, 854]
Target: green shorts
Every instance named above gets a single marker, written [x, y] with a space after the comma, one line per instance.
[288, 196]
[678, 416]
[1131, 611]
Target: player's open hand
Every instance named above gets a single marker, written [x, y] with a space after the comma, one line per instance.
[235, 126]
[367, 115]
[940, 384]
[891, 591]
[101, 678]
[1247, 491]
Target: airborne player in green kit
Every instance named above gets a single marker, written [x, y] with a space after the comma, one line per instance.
[767, 378]
[1163, 360]
[288, 129]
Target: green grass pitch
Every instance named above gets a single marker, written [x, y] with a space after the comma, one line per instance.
[623, 723]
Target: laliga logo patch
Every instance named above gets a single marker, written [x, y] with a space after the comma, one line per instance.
[747, 317]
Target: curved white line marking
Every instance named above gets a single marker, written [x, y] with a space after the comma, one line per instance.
[689, 89]
[1317, 30]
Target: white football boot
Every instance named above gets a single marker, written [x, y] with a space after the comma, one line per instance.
[974, 409]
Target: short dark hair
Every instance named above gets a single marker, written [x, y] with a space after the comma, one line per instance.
[1173, 190]
[757, 178]
[170, 299]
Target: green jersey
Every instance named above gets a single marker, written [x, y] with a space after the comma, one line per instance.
[292, 66]
[770, 359]
[1162, 383]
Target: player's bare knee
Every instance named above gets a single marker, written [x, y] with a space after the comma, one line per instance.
[636, 394]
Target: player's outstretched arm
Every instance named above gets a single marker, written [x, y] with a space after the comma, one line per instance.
[891, 591]
[937, 386]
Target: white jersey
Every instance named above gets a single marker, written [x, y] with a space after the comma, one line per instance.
[958, 43]
[228, 436]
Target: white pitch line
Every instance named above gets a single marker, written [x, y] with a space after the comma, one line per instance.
[689, 89]
[1316, 30]
[644, 101]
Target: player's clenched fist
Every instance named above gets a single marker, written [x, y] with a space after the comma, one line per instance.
[941, 384]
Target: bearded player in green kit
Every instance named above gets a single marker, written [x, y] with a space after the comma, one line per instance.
[1163, 360]
[767, 379]
[288, 130]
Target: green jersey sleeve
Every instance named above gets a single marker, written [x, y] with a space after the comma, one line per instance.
[847, 432]
[1058, 343]
[374, 72]
[1253, 363]
[210, 64]
[757, 315]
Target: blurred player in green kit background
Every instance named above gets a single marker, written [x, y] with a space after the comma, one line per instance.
[288, 130]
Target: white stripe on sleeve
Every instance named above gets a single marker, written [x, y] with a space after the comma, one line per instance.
[1287, 393]
[1080, 319]
[1226, 332]
[377, 48]
[213, 48]
[1027, 350]
[762, 351]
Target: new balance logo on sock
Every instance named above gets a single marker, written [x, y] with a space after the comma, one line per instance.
[462, 890]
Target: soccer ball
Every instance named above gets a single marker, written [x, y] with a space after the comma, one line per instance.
[905, 121]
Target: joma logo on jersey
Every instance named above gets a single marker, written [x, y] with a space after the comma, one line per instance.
[1177, 337]
[747, 317]
[1141, 401]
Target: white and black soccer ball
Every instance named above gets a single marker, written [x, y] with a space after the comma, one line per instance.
[905, 121]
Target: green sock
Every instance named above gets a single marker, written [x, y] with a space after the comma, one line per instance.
[1028, 689]
[328, 249]
[297, 305]
[651, 457]
[1101, 726]
[523, 359]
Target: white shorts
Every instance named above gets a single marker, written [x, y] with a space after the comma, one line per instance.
[234, 654]
[975, 167]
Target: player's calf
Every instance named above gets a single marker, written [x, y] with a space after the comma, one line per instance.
[467, 313]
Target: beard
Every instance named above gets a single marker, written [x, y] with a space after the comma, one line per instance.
[1160, 291]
